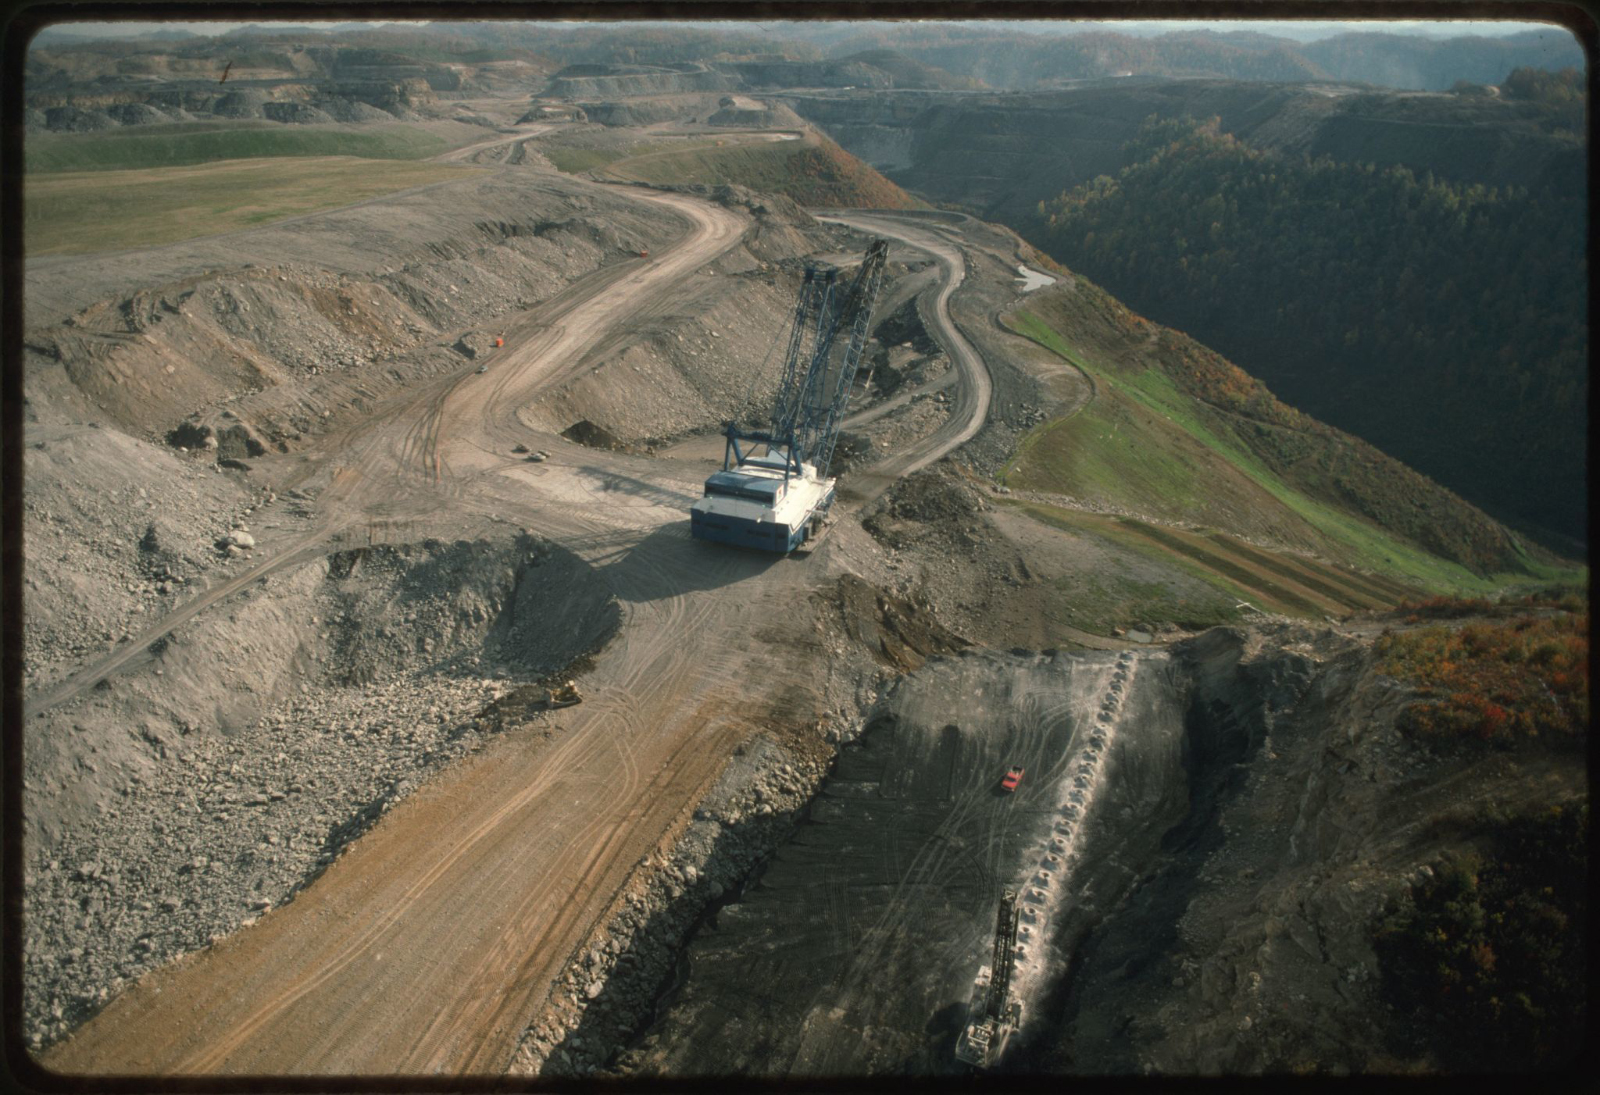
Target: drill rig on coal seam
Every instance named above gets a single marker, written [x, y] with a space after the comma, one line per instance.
[992, 1017]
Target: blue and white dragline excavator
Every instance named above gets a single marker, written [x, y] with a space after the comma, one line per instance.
[772, 492]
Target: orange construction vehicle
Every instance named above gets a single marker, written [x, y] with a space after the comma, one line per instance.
[565, 696]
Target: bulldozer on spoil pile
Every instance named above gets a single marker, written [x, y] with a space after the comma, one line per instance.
[565, 696]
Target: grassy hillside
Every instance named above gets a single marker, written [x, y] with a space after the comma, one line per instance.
[812, 172]
[186, 143]
[1180, 435]
[76, 212]
[576, 158]
[1198, 579]
[1445, 323]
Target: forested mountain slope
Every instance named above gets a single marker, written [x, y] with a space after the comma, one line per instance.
[1445, 323]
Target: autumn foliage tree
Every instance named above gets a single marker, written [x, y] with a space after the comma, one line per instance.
[1487, 959]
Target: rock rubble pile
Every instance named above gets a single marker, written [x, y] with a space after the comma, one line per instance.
[191, 795]
[224, 830]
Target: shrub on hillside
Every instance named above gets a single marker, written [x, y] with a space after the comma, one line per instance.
[1504, 682]
[1443, 608]
[1488, 958]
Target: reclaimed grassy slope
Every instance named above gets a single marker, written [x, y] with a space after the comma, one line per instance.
[186, 143]
[1240, 577]
[1155, 445]
[79, 212]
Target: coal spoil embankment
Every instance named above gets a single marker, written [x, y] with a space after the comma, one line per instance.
[223, 772]
[1200, 844]
[855, 951]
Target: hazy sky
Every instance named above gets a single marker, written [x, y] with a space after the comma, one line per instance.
[1300, 30]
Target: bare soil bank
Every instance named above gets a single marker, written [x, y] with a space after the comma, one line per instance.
[225, 772]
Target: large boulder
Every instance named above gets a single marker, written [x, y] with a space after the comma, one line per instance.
[236, 443]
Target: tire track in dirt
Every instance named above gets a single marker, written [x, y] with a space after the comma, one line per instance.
[429, 944]
[521, 133]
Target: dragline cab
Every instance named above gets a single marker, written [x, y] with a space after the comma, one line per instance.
[773, 492]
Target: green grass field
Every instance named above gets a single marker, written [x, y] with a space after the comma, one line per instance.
[78, 212]
[1281, 583]
[1147, 445]
[759, 166]
[185, 143]
[575, 161]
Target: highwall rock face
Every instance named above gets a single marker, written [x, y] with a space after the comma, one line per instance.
[1205, 836]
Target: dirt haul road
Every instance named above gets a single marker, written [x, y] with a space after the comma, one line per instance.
[470, 152]
[974, 388]
[428, 946]
[400, 442]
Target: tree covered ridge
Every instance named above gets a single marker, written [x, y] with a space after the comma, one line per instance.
[1562, 94]
[1445, 323]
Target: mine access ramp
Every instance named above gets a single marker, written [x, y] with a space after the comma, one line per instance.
[991, 1017]
[772, 492]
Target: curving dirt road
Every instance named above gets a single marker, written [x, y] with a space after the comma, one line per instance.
[974, 389]
[430, 943]
[469, 153]
[428, 946]
[404, 436]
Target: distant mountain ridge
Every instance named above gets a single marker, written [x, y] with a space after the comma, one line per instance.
[1000, 154]
[1011, 60]
[953, 56]
[1008, 59]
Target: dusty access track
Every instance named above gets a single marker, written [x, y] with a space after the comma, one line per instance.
[974, 388]
[428, 946]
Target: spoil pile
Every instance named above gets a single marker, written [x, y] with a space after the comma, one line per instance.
[225, 771]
